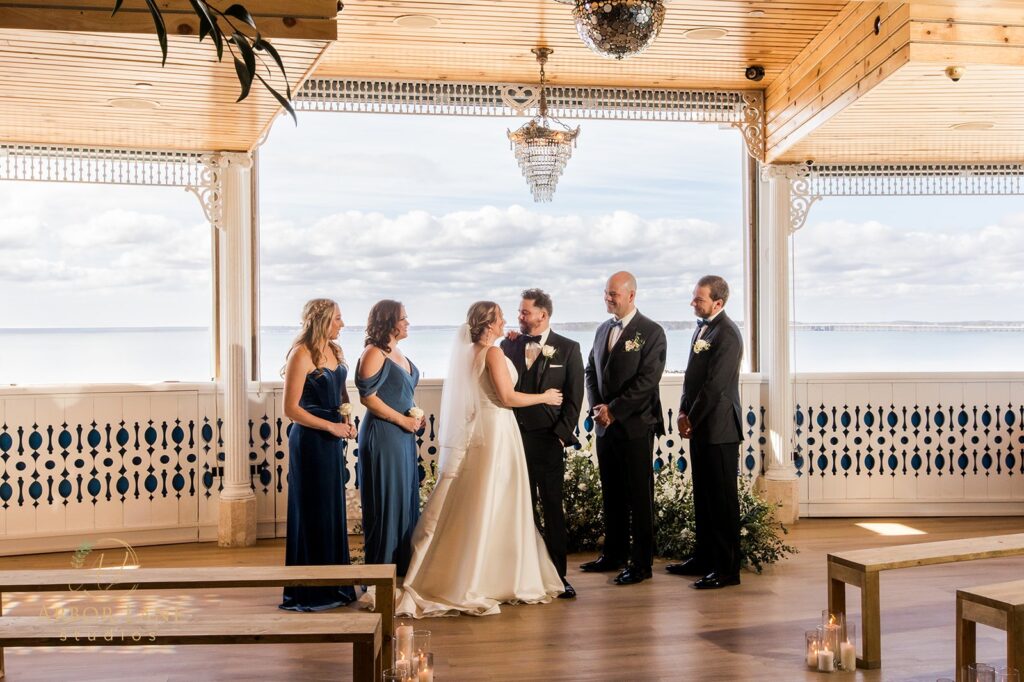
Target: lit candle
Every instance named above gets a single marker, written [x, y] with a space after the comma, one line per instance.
[403, 643]
[404, 668]
[812, 656]
[426, 668]
[847, 656]
[826, 661]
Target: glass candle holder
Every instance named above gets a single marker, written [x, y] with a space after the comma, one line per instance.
[1007, 675]
[828, 641]
[848, 648]
[420, 643]
[980, 672]
[811, 648]
[395, 675]
[426, 669]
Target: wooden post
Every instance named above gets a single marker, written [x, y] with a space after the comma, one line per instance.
[870, 622]
[965, 640]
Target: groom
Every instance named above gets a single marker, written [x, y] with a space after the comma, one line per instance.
[623, 383]
[546, 360]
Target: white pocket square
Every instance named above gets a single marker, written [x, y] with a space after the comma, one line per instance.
[553, 366]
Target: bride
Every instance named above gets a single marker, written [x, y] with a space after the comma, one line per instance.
[476, 545]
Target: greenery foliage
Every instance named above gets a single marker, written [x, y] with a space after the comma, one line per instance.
[248, 53]
[674, 526]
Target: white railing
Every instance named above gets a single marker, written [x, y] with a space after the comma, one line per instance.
[143, 462]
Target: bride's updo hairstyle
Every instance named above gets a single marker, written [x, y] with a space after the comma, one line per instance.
[481, 315]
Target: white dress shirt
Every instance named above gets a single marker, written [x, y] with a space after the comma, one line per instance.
[533, 348]
[616, 332]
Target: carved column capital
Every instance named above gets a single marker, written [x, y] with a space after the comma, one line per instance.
[210, 188]
[798, 175]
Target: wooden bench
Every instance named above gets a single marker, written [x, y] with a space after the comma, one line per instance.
[861, 568]
[999, 606]
[362, 630]
[381, 576]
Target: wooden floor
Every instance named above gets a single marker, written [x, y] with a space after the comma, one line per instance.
[657, 630]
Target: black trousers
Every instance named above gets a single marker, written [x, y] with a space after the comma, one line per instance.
[545, 463]
[627, 486]
[716, 505]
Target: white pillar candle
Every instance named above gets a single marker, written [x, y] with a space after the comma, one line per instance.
[403, 643]
[812, 657]
[826, 661]
[847, 656]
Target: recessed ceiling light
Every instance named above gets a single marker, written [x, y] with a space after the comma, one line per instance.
[417, 21]
[705, 33]
[136, 103]
[757, 13]
[973, 125]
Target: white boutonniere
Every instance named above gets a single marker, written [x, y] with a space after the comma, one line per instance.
[700, 345]
[415, 412]
[634, 344]
[548, 351]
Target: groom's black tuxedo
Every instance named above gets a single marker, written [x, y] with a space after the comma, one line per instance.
[711, 400]
[627, 378]
[547, 430]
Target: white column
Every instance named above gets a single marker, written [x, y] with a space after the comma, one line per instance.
[779, 483]
[777, 319]
[237, 513]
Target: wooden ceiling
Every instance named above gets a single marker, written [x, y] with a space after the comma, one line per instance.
[918, 115]
[490, 41]
[837, 90]
[73, 75]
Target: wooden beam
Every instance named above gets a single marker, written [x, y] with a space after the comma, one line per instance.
[293, 19]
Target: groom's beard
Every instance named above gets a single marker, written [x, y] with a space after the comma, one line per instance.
[523, 328]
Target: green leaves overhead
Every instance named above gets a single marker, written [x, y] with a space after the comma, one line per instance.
[248, 54]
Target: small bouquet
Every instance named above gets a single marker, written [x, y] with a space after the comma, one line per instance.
[345, 411]
[415, 412]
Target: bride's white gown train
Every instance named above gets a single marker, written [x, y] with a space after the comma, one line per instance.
[476, 545]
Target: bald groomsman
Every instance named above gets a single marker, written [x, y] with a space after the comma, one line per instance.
[623, 379]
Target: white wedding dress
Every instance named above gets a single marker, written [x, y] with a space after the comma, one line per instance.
[476, 545]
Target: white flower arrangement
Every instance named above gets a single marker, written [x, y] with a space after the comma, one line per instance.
[345, 411]
[415, 412]
[700, 345]
[634, 344]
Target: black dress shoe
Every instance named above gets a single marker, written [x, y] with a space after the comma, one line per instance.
[632, 575]
[570, 591]
[716, 581]
[601, 564]
[688, 567]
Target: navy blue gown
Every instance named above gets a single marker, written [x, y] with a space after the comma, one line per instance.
[388, 471]
[317, 529]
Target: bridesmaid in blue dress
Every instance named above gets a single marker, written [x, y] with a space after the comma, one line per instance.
[387, 466]
[314, 390]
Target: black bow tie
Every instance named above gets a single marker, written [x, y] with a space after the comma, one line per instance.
[532, 339]
[701, 322]
[617, 323]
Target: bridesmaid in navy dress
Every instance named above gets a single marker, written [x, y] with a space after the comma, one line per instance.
[314, 390]
[387, 465]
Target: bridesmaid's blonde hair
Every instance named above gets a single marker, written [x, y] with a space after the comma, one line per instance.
[317, 316]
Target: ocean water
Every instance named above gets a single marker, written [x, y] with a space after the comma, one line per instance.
[69, 356]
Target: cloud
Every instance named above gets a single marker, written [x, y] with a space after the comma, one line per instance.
[874, 270]
[465, 255]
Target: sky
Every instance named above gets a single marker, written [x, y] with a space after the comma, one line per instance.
[433, 211]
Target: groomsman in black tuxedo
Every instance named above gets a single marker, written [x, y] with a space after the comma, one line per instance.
[546, 360]
[710, 415]
[623, 383]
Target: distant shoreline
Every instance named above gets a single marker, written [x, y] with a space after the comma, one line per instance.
[899, 326]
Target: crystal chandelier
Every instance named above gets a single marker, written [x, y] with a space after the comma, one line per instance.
[618, 28]
[543, 146]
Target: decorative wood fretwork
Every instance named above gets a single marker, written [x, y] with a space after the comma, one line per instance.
[742, 110]
[43, 163]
